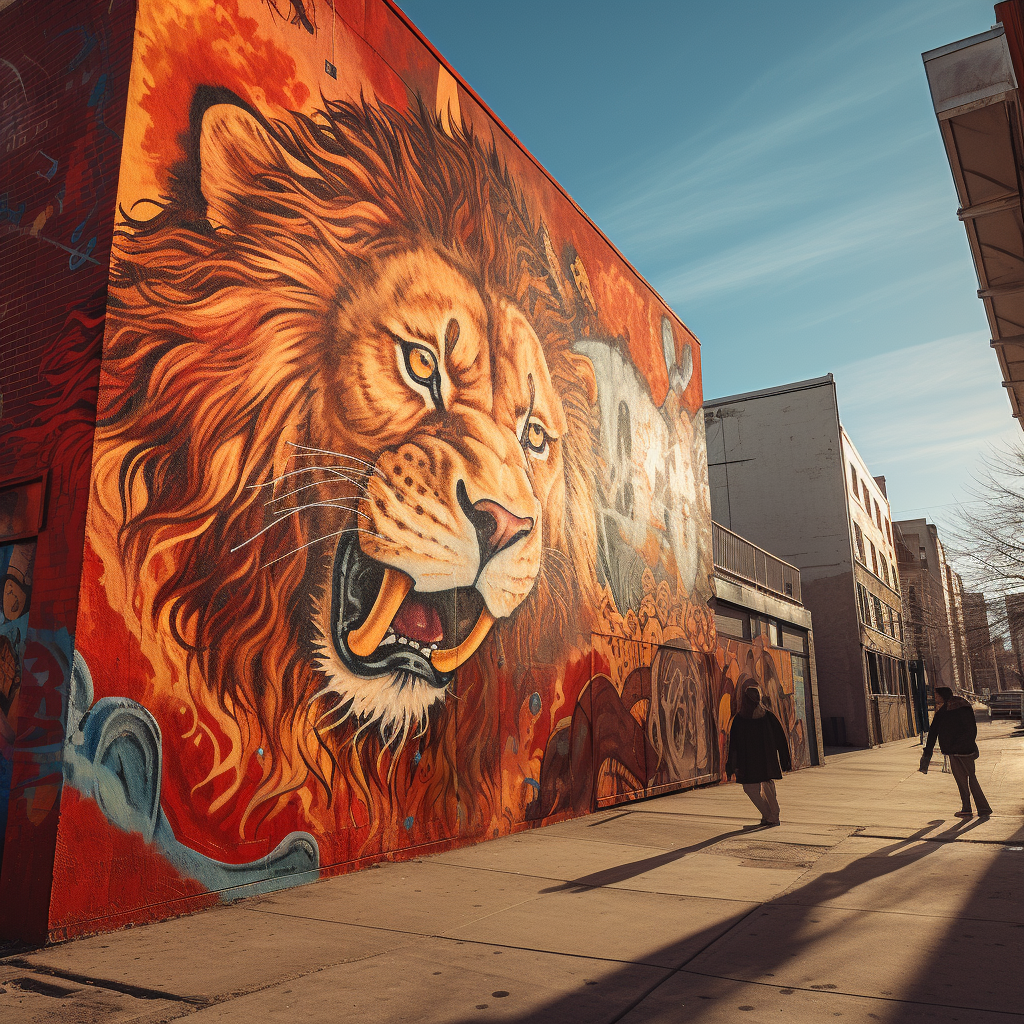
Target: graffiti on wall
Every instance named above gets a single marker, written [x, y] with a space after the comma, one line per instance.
[62, 185]
[63, 79]
[16, 561]
[397, 466]
[745, 662]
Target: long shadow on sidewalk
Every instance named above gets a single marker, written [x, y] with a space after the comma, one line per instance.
[619, 873]
[790, 941]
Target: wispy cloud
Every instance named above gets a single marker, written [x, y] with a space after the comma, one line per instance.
[756, 157]
[826, 159]
[924, 416]
[789, 252]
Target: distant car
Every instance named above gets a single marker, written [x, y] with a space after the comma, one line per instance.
[1005, 704]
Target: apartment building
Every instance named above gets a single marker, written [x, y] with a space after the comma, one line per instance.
[785, 475]
[934, 598]
[980, 651]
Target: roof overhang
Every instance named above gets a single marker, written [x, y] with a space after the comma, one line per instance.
[974, 92]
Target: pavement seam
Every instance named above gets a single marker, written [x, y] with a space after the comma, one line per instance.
[672, 971]
[837, 992]
[938, 839]
[781, 901]
[137, 991]
[448, 937]
[202, 1002]
[614, 888]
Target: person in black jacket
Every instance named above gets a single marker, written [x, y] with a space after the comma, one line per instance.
[955, 728]
[758, 753]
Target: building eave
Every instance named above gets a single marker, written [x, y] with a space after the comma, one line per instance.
[976, 100]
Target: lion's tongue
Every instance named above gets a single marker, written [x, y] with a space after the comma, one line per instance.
[418, 621]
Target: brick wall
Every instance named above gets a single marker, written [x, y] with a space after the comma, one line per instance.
[64, 68]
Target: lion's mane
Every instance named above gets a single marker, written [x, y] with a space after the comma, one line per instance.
[210, 344]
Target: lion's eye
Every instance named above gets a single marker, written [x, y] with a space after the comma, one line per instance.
[420, 363]
[535, 438]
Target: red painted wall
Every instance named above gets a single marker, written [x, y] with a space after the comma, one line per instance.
[64, 68]
[365, 269]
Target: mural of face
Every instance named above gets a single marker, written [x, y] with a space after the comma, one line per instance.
[383, 458]
[451, 509]
[15, 599]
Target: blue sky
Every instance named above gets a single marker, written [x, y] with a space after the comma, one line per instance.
[776, 172]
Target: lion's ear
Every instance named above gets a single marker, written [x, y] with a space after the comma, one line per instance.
[584, 370]
[234, 150]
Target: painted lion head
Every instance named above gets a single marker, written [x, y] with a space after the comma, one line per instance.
[342, 437]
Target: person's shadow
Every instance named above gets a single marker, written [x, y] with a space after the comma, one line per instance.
[619, 873]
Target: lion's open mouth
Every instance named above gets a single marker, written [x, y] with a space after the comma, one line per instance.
[381, 625]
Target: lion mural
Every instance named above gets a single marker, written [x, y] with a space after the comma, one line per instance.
[343, 445]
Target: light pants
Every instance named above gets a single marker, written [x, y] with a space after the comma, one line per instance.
[967, 782]
[762, 795]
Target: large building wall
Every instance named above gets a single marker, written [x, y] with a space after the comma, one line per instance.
[777, 476]
[399, 530]
[64, 68]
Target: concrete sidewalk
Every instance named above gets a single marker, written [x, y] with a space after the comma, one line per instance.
[871, 901]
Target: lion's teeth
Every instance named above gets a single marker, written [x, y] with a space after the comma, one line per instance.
[412, 643]
[402, 640]
[364, 640]
[388, 640]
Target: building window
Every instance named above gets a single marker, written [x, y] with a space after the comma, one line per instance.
[859, 537]
[732, 623]
[885, 570]
[862, 604]
[899, 627]
[878, 516]
[874, 558]
[793, 641]
[867, 496]
[888, 531]
[879, 621]
[855, 482]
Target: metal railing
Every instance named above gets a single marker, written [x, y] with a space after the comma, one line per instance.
[738, 557]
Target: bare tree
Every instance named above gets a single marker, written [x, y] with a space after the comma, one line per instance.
[988, 544]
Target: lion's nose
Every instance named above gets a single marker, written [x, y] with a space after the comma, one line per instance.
[496, 527]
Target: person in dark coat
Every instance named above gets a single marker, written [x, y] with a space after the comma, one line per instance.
[956, 729]
[758, 754]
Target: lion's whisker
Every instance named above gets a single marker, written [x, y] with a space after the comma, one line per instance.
[333, 470]
[285, 512]
[338, 455]
[317, 540]
[349, 469]
[306, 487]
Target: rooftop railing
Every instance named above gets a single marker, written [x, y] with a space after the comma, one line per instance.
[738, 557]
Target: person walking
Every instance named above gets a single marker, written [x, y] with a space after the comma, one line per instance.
[956, 729]
[758, 753]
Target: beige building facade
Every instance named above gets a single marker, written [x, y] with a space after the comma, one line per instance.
[784, 474]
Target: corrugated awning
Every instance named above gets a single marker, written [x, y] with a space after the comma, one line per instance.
[974, 92]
